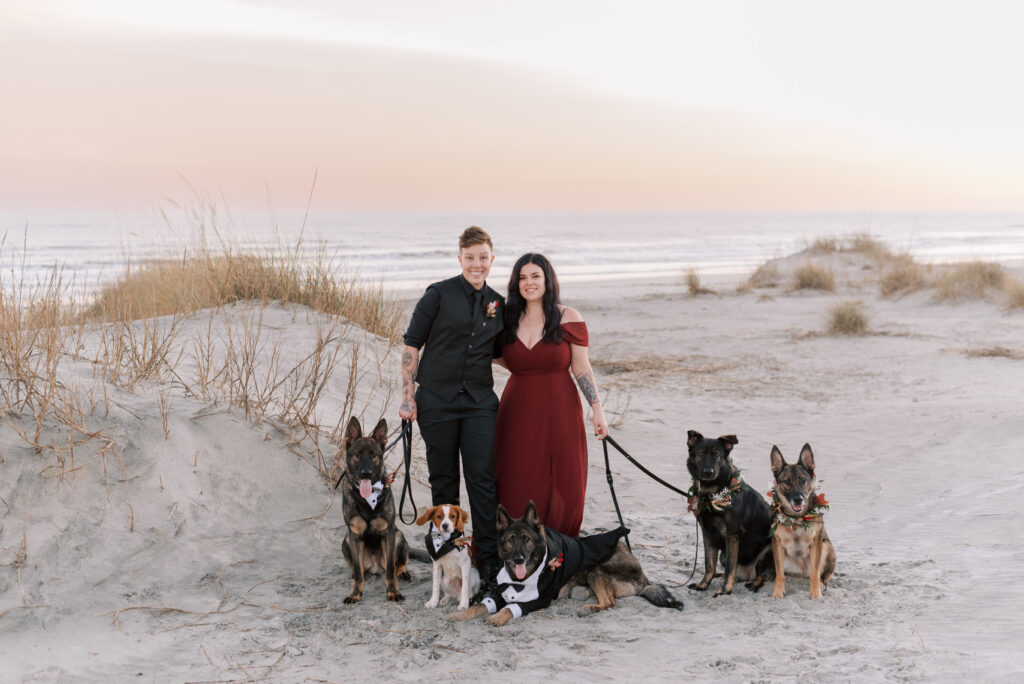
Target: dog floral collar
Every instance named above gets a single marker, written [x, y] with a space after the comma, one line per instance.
[814, 512]
[696, 502]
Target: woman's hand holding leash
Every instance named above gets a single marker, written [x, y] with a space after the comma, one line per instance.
[600, 424]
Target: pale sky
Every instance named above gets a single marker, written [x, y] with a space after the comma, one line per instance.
[783, 105]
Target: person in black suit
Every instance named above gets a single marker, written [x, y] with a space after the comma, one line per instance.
[458, 321]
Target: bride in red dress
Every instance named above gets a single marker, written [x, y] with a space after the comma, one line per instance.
[540, 446]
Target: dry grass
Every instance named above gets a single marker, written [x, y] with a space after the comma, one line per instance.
[207, 280]
[693, 284]
[903, 276]
[134, 334]
[847, 318]
[969, 280]
[995, 352]
[812, 277]
[766, 275]
[1014, 293]
[859, 243]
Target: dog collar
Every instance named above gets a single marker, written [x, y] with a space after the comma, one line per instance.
[696, 502]
[815, 513]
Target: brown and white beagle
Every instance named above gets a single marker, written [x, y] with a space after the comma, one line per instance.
[453, 564]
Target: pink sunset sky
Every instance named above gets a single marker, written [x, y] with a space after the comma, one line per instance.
[672, 105]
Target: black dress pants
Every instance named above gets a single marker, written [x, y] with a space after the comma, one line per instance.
[464, 426]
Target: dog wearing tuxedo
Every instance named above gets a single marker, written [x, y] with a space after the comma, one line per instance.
[540, 565]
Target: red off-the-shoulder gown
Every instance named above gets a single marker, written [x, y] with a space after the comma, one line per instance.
[540, 446]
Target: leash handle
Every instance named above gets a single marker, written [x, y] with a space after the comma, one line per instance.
[406, 437]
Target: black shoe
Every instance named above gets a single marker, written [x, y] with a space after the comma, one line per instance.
[488, 584]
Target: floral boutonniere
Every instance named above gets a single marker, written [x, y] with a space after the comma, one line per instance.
[556, 562]
[492, 309]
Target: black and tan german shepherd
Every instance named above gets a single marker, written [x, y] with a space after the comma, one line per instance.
[800, 544]
[373, 544]
[539, 565]
[734, 519]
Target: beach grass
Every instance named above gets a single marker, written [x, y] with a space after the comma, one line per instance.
[847, 318]
[969, 280]
[1014, 293]
[813, 277]
[141, 328]
[693, 284]
[903, 275]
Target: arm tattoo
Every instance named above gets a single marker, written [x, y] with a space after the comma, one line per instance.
[409, 364]
[586, 383]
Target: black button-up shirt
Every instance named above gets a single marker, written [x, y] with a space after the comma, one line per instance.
[459, 349]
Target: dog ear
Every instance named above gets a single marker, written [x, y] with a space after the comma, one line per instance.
[532, 516]
[502, 520]
[778, 462]
[380, 433]
[463, 517]
[692, 437]
[728, 442]
[353, 432]
[427, 515]
[807, 458]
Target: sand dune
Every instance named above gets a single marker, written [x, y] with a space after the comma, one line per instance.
[211, 551]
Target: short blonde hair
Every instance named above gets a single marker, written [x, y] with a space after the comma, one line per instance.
[475, 236]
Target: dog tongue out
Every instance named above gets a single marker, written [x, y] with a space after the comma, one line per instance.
[520, 570]
[365, 489]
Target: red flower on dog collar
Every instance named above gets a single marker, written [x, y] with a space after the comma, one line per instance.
[556, 562]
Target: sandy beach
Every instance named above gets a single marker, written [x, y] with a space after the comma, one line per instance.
[203, 545]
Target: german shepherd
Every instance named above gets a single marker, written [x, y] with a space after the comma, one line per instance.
[800, 543]
[373, 543]
[733, 518]
[551, 564]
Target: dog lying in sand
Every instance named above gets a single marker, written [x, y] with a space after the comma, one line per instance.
[539, 565]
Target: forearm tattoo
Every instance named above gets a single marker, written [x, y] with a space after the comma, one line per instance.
[408, 378]
[586, 383]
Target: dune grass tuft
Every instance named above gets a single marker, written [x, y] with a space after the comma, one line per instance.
[847, 318]
[1014, 293]
[207, 280]
[693, 284]
[812, 277]
[903, 276]
[969, 280]
[766, 275]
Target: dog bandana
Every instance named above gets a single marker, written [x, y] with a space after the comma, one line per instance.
[437, 544]
[373, 494]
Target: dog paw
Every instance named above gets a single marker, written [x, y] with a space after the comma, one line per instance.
[353, 599]
[432, 603]
[405, 576]
[778, 594]
[464, 605]
[395, 596]
[699, 587]
[722, 592]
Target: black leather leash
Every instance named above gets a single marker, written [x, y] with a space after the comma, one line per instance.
[407, 486]
[611, 486]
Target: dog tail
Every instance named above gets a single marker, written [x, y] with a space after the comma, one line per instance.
[659, 595]
[416, 553]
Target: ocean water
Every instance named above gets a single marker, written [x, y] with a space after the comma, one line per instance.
[410, 250]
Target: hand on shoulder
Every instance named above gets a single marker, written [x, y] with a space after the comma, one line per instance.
[571, 315]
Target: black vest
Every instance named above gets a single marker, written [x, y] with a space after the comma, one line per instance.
[457, 354]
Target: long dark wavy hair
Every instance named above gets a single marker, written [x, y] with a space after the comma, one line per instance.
[515, 305]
